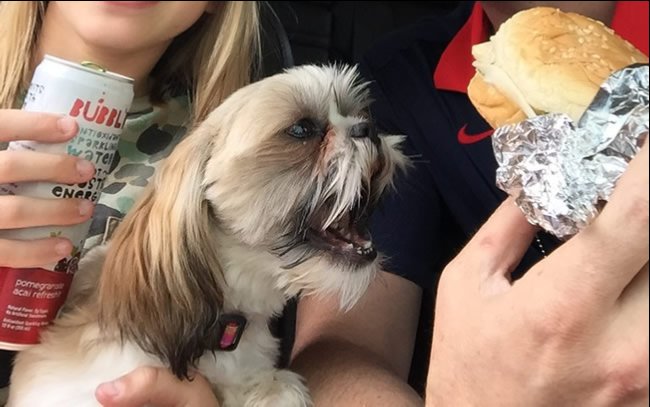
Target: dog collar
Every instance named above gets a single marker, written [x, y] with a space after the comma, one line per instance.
[231, 328]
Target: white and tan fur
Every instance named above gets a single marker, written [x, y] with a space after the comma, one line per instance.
[218, 231]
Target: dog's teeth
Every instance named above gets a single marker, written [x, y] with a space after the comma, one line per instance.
[363, 251]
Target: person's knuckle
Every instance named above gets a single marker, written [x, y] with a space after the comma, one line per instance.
[636, 207]
[9, 210]
[62, 163]
[5, 119]
[445, 292]
[555, 322]
[491, 261]
[628, 377]
[485, 242]
[499, 268]
[42, 123]
[65, 166]
[541, 324]
[5, 255]
[8, 164]
[61, 168]
[447, 273]
[450, 275]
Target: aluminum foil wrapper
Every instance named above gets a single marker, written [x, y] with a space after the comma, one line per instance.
[559, 172]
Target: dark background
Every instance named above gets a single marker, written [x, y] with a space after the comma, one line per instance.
[336, 31]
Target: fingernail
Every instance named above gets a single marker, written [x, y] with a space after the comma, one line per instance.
[66, 125]
[85, 207]
[111, 389]
[85, 168]
[63, 248]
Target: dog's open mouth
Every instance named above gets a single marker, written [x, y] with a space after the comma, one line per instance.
[348, 237]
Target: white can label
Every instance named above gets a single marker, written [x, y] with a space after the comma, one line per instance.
[100, 112]
[31, 297]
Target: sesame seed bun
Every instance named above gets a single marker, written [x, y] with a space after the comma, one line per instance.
[543, 60]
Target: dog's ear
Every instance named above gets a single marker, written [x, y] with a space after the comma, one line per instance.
[161, 280]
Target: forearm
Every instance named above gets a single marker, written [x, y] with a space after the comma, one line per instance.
[339, 373]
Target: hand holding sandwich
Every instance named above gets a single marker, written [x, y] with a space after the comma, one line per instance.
[574, 330]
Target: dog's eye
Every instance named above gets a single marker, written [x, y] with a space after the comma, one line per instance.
[303, 128]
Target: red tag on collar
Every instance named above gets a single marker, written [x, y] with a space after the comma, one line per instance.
[231, 329]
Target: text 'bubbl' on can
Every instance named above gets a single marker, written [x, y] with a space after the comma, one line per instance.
[30, 298]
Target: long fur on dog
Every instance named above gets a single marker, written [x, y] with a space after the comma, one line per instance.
[267, 199]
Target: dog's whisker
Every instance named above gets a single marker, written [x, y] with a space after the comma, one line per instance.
[304, 256]
[303, 224]
[299, 279]
[285, 247]
[281, 252]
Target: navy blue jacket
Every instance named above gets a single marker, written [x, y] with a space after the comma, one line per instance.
[441, 202]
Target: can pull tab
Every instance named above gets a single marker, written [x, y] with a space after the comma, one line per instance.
[92, 65]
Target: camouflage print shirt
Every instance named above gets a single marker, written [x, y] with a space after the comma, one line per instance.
[149, 135]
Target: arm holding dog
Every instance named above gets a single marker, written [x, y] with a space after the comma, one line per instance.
[362, 356]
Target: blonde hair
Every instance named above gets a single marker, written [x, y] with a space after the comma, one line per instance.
[227, 42]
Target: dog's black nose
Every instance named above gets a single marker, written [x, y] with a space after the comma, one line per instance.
[363, 130]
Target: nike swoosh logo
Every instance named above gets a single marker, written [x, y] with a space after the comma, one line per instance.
[464, 138]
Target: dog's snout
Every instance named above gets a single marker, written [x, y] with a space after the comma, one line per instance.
[363, 130]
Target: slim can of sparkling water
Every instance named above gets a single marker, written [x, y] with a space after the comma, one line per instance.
[30, 298]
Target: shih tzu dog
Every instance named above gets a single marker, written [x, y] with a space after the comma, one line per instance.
[268, 198]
